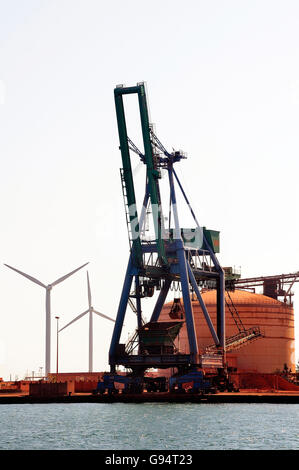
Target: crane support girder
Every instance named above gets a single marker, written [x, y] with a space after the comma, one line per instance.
[152, 173]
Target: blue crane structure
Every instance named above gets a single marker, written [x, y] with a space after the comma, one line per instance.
[175, 255]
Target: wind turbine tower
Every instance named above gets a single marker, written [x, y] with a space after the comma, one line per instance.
[90, 310]
[48, 308]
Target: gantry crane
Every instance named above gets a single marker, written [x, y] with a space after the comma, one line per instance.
[174, 255]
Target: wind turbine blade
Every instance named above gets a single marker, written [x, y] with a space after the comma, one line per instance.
[102, 315]
[67, 275]
[27, 275]
[73, 321]
[88, 291]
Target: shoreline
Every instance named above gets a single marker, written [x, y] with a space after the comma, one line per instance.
[246, 397]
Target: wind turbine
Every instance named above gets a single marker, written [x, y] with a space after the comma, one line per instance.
[90, 310]
[48, 308]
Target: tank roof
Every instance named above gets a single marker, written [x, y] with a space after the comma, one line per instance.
[242, 297]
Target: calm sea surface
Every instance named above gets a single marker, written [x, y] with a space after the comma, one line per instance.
[151, 426]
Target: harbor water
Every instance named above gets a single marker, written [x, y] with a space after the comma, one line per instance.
[149, 426]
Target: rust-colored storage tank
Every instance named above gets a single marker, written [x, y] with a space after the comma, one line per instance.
[276, 322]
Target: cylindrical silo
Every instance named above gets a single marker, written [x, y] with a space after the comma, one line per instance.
[276, 322]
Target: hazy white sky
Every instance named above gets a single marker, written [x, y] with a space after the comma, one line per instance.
[223, 83]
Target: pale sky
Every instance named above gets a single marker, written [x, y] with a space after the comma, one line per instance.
[223, 85]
